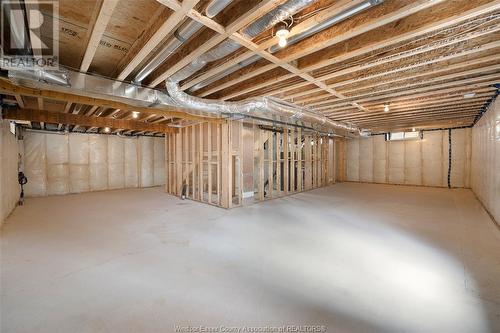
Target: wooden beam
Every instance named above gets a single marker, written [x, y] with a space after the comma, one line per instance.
[155, 40]
[98, 28]
[406, 31]
[331, 11]
[79, 120]
[223, 33]
[19, 100]
[440, 16]
[40, 103]
[7, 87]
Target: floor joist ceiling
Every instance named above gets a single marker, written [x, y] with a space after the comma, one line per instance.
[419, 58]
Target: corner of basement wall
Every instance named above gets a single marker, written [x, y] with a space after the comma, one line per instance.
[485, 160]
[9, 157]
[58, 164]
[413, 162]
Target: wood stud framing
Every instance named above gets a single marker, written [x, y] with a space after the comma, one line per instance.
[286, 161]
[420, 57]
[348, 71]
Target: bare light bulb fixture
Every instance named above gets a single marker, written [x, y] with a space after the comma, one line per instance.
[106, 129]
[282, 33]
[386, 108]
[135, 114]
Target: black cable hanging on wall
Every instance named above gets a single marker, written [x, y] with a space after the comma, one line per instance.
[449, 158]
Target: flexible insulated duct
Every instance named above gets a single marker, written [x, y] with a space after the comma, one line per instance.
[181, 35]
[264, 108]
[229, 46]
[269, 108]
[322, 25]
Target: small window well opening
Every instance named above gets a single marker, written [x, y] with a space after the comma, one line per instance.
[12, 127]
[398, 136]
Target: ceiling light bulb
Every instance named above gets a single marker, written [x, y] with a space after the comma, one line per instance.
[282, 34]
[282, 42]
[413, 129]
[135, 114]
[106, 129]
[386, 108]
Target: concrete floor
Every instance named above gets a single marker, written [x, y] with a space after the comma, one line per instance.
[352, 257]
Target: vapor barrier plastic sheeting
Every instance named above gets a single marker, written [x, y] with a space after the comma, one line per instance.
[159, 161]
[433, 153]
[413, 162]
[147, 161]
[79, 172]
[116, 162]
[485, 162]
[9, 187]
[72, 163]
[35, 165]
[98, 159]
[131, 163]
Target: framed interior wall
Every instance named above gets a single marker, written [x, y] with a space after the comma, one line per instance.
[238, 163]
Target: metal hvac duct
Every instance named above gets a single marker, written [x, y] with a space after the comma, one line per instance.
[181, 35]
[264, 108]
[356, 9]
[229, 46]
[347, 13]
[269, 108]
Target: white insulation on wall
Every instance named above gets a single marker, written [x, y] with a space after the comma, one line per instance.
[412, 162]
[9, 187]
[72, 163]
[485, 162]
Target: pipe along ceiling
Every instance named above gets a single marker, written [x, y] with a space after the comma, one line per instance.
[264, 108]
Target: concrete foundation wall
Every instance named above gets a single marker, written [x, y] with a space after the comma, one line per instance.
[485, 163]
[413, 162]
[9, 187]
[58, 164]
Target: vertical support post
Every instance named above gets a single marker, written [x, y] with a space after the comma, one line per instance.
[240, 157]
[261, 140]
[178, 163]
[226, 167]
[200, 161]
[285, 161]
[270, 156]
[299, 160]
[185, 159]
[218, 148]
[193, 162]
[308, 163]
[278, 163]
[167, 163]
[209, 157]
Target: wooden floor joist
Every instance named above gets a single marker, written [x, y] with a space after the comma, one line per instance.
[80, 120]
[416, 56]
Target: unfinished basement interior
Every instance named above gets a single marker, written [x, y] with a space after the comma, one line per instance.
[250, 166]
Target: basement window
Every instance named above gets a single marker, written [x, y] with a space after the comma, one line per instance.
[12, 127]
[398, 136]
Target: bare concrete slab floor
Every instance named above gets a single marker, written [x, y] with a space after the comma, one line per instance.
[352, 257]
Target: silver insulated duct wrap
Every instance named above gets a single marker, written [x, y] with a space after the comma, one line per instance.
[229, 46]
[264, 107]
[268, 108]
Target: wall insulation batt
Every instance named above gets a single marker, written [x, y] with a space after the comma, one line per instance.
[9, 156]
[72, 163]
[411, 162]
[485, 175]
